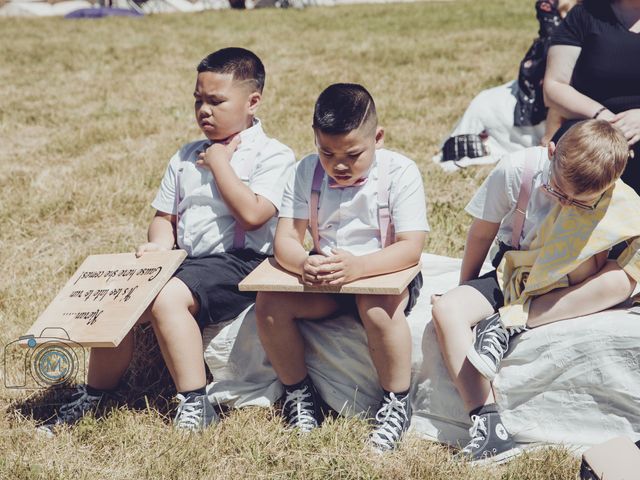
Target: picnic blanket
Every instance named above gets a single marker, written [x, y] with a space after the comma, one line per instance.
[574, 382]
[568, 237]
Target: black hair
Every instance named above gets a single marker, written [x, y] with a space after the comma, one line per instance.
[343, 107]
[242, 63]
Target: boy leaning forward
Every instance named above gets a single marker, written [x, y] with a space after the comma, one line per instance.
[348, 244]
[568, 249]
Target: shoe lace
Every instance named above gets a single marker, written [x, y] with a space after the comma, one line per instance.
[478, 432]
[298, 411]
[496, 341]
[190, 413]
[82, 403]
[390, 418]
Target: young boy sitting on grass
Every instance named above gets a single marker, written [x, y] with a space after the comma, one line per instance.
[218, 201]
[348, 244]
[578, 210]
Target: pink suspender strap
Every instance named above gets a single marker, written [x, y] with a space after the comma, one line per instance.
[523, 197]
[314, 205]
[384, 214]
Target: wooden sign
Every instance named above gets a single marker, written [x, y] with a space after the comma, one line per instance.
[105, 297]
[271, 277]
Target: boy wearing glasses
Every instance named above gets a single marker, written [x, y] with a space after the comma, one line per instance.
[578, 209]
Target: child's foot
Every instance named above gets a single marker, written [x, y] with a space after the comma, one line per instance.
[392, 421]
[195, 413]
[490, 442]
[302, 406]
[491, 342]
[71, 412]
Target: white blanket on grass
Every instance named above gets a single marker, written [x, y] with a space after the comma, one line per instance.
[575, 382]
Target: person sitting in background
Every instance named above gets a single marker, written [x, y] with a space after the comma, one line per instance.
[593, 71]
[510, 117]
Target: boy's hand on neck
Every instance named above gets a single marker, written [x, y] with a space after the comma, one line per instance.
[218, 153]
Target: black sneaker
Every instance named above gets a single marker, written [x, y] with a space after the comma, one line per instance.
[195, 413]
[392, 421]
[72, 412]
[491, 342]
[302, 406]
[490, 442]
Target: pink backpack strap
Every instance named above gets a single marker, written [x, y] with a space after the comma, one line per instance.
[314, 205]
[523, 197]
[384, 214]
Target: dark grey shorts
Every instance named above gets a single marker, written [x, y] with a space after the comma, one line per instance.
[488, 286]
[213, 281]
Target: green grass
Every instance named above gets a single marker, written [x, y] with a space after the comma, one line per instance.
[91, 111]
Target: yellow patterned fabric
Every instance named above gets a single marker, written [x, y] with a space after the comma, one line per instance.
[567, 238]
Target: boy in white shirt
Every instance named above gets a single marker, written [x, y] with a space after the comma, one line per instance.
[348, 245]
[218, 201]
[580, 174]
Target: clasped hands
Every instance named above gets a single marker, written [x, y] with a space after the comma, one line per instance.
[335, 269]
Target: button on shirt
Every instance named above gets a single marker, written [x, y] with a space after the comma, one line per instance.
[348, 217]
[497, 197]
[205, 223]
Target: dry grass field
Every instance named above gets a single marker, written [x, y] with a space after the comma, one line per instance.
[91, 111]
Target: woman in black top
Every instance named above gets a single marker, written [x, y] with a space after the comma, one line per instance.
[593, 70]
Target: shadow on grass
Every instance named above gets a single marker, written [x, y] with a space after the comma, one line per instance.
[146, 385]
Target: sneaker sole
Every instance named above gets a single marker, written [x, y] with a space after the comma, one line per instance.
[479, 364]
[499, 459]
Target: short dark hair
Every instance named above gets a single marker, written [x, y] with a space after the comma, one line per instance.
[242, 63]
[343, 107]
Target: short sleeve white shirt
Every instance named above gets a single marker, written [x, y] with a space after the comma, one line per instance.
[497, 197]
[205, 224]
[348, 217]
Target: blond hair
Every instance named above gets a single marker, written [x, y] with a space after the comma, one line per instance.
[591, 155]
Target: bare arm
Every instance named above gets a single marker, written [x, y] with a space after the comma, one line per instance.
[479, 239]
[161, 234]
[250, 210]
[558, 92]
[288, 244]
[610, 286]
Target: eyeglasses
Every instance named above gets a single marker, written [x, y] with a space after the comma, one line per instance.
[563, 198]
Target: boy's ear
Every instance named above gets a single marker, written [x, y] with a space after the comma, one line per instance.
[551, 149]
[379, 137]
[255, 99]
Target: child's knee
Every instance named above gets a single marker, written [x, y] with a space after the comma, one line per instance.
[175, 295]
[445, 310]
[369, 305]
[268, 303]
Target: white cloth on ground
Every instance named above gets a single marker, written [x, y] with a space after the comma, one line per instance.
[493, 110]
[575, 382]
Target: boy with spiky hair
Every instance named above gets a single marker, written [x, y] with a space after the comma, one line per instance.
[578, 211]
[218, 200]
[353, 175]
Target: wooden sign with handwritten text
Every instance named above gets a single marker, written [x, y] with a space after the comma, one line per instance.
[106, 296]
